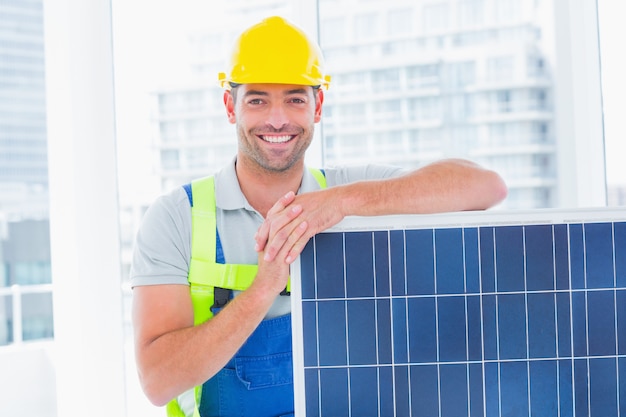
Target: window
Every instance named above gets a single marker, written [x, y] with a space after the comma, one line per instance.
[470, 13]
[170, 159]
[429, 43]
[459, 75]
[508, 10]
[425, 109]
[388, 111]
[388, 79]
[333, 31]
[435, 17]
[26, 312]
[423, 76]
[400, 21]
[500, 69]
[366, 26]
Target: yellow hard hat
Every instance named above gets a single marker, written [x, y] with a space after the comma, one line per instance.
[275, 51]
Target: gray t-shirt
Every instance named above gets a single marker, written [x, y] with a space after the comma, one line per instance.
[162, 248]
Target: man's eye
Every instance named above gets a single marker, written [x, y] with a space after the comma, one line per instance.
[255, 101]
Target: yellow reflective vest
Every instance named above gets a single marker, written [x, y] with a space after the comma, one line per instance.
[205, 274]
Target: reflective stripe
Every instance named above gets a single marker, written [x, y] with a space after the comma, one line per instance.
[187, 402]
[319, 177]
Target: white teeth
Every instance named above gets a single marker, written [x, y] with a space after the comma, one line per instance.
[276, 139]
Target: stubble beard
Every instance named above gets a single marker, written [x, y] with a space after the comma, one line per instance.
[249, 147]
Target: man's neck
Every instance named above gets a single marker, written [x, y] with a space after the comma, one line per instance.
[263, 188]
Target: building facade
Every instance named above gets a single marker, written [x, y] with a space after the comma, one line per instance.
[24, 242]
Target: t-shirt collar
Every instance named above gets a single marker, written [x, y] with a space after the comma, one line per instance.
[233, 198]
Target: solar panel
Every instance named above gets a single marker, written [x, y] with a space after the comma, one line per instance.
[473, 314]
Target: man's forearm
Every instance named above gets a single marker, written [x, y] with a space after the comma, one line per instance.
[445, 186]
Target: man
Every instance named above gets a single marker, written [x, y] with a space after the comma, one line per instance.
[267, 205]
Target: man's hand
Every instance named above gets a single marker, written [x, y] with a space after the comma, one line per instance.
[293, 220]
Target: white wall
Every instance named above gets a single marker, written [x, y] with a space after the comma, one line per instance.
[28, 380]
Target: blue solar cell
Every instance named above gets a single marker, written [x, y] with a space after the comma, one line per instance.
[474, 329]
[471, 254]
[563, 319]
[579, 323]
[510, 258]
[420, 263]
[475, 389]
[542, 338]
[452, 326]
[539, 246]
[599, 255]
[601, 323]
[400, 330]
[561, 257]
[381, 260]
[334, 392]
[383, 322]
[364, 391]
[359, 265]
[622, 386]
[362, 346]
[307, 271]
[576, 256]
[490, 332]
[332, 333]
[385, 392]
[309, 320]
[512, 326]
[454, 390]
[422, 329]
[620, 297]
[397, 262]
[491, 386]
[487, 260]
[312, 391]
[465, 321]
[619, 230]
[603, 386]
[566, 391]
[402, 391]
[424, 392]
[330, 264]
[450, 267]
[581, 385]
[544, 394]
[514, 395]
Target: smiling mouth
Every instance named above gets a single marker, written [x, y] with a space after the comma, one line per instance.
[276, 138]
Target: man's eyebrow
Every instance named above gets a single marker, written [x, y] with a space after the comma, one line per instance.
[296, 91]
[265, 93]
[255, 93]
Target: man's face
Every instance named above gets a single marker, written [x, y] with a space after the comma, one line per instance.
[274, 122]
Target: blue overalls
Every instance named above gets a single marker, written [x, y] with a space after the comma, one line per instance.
[258, 380]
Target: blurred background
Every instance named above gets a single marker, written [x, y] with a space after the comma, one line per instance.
[106, 104]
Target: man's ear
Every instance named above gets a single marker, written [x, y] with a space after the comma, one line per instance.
[318, 105]
[229, 104]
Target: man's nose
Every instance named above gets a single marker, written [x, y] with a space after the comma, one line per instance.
[277, 117]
